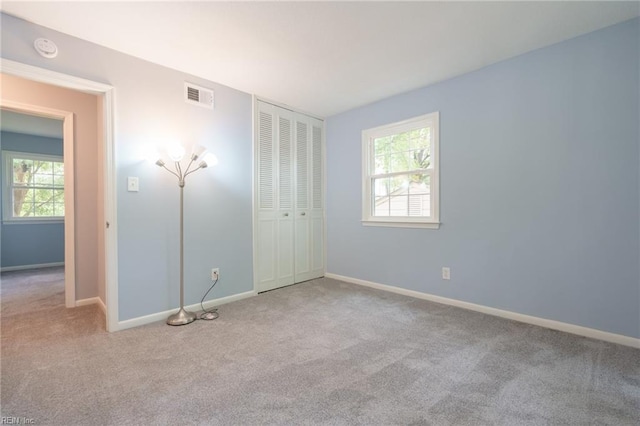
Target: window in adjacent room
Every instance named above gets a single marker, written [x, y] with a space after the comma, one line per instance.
[401, 173]
[33, 186]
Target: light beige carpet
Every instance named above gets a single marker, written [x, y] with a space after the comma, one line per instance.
[321, 352]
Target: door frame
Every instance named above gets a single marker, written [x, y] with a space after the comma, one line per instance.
[106, 92]
[69, 186]
[254, 181]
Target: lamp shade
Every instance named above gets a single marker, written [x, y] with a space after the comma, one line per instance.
[152, 155]
[209, 160]
[197, 151]
[175, 151]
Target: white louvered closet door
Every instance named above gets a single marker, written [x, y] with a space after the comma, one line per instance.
[285, 199]
[303, 234]
[317, 198]
[289, 199]
[275, 218]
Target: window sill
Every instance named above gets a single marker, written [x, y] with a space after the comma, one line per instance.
[32, 221]
[403, 224]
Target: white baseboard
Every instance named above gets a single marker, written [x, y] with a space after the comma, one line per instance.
[542, 322]
[160, 316]
[92, 301]
[25, 267]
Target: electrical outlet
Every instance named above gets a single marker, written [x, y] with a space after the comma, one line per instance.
[446, 273]
[215, 274]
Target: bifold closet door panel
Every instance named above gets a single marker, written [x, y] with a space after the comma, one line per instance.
[302, 212]
[286, 231]
[275, 200]
[317, 198]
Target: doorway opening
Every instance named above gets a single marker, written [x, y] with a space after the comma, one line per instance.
[38, 191]
[106, 212]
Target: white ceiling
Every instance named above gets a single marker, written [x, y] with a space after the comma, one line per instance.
[324, 57]
[30, 124]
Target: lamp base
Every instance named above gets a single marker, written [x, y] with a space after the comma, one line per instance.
[182, 317]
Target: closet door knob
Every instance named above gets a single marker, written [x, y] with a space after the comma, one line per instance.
[303, 214]
[286, 214]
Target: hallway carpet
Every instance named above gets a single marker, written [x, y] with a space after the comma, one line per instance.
[322, 352]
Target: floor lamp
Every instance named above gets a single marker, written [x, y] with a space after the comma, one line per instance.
[183, 317]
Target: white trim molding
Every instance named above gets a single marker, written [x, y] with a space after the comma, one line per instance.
[92, 301]
[43, 75]
[254, 192]
[257, 99]
[162, 316]
[106, 91]
[527, 319]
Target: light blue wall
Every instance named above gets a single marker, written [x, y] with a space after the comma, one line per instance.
[539, 187]
[149, 108]
[23, 244]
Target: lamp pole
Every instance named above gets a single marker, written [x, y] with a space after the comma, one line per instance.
[182, 317]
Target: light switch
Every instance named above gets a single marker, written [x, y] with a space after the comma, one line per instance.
[132, 184]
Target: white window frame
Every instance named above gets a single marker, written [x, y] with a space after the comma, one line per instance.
[431, 120]
[7, 192]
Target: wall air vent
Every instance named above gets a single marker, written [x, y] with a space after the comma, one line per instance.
[198, 95]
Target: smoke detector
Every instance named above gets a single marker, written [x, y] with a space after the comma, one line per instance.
[46, 48]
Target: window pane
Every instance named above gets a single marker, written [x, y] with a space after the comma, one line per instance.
[41, 179]
[22, 171]
[420, 205]
[418, 188]
[399, 184]
[420, 159]
[390, 185]
[403, 151]
[420, 183]
[400, 162]
[58, 199]
[58, 180]
[403, 195]
[44, 209]
[382, 164]
[23, 202]
[420, 138]
[44, 167]
[43, 195]
[58, 168]
[382, 146]
[381, 207]
[399, 205]
[413, 139]
[381, 187]
[390, 195]
[420, 195]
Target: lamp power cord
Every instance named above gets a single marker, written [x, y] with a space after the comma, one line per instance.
[211, 314]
